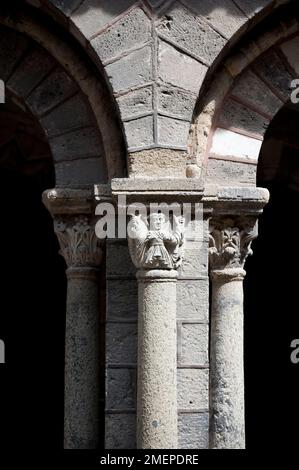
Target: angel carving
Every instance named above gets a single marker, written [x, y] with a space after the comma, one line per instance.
[153, 244]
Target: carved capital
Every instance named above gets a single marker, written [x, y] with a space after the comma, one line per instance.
[230, 242]
[154, 244]
[78, 242]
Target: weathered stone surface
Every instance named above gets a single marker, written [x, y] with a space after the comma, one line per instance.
[158, 163]
[195, 260]
[194, 431]
[157, 347]
[191, 33]
[81, 426]
[192, 300]
[33, 68]
[193, 389]
[130, 71]
[136, 102]
[63, 118]
[130, 31]
[179, 70]
[122, 299]
[231, 173]
[120, 432]
[121, 389]
[196, 230]
[66, 6]
[194, 345]
[290, 50]
[81, 172]
[58, 86]
[250, 89]
[82, 143]
[118, 259]
[224, 15]
[173, 132]
[93, 15]
[227, 369]
[155, 3]
[139, 132]
[172, 100]
[238, 116]
[12, 47]
[271, 68]
[251, 7]
[121, 343]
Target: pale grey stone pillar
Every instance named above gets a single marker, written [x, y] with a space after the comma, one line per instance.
[82, 253]
[230, 241]
[156, 252]
[157, 349]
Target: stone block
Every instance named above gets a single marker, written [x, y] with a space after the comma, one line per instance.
[178, 69]
[136, 102]
[120, 431]
[155, 3]
[121, 389]
[231, 173]
[12, 47]
[224, 15]
[193, 389]
[131, 71]
[93, 15]
[196, 230]
[158, 163]
[173, 132]
[71, 114]
[32, 69]
[82, 143]
[175, 101]
[195, 261]
[238, 116]
[139, 132]
[252, 7]
[193, 344]
[290, 50]
[193, 300]
[190, 32]
[130, 31]
[121, 343]
[122, 299]
[271, 68]
[252, 90]
[66, 6]
[81, 172]
[193, 431]
[118, 259]
[57, 87]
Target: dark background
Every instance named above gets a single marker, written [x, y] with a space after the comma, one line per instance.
[32, 317]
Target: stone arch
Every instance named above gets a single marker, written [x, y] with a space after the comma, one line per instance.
[50, 79]
[246, 94]
[156, 66]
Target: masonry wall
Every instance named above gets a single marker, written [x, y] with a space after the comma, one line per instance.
[192, 346]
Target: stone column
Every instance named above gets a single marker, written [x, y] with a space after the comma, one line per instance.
[82, 253]
[157, 254]
[230, 241]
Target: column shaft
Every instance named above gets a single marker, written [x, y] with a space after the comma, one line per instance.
[82, 360]
[227, 372]
[157, 372]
